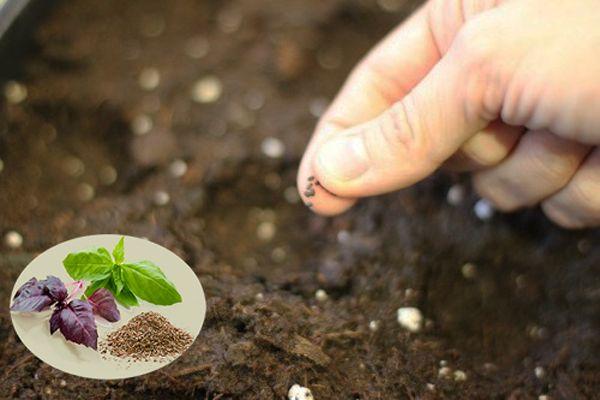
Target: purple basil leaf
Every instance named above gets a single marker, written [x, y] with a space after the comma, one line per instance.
[103, 304]
[30, 283]
[56, 289]
[55, 319]
[76, 323]
[32, 296]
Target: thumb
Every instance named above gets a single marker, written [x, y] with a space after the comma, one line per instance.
[461, 95]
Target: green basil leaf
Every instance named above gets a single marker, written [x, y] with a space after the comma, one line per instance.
[148, 282]
[90, 265]
[103, 252]
[95, 285]
[119, 251]
[117, 278]
[126, 298]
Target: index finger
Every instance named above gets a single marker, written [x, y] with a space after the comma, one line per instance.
[383, 77]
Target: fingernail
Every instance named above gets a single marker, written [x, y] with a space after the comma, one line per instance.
[345, 159]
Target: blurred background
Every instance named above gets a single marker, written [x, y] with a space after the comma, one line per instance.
[183, 122]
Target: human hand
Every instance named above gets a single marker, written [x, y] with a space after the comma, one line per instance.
[507, 89]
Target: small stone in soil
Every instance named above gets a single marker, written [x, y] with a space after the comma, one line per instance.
[108, 175]
[149, 79]
[298, 392]
[142, 124]
[291, 195]
[15, 92]
[544, 397]
[460, 376]
[152, 26]
[278, 254]
[329, 58]
[85, 192]
[272, 147]
[73, 166]
[207, 90]
[178, 168]
[13, 239]
[272, 180]
[391, 6]
[321, 295]
[455, 195]
[484, 210]
[197, 47]
[161, 198]
[318, 106]
[254, 100]
[259, 296]
[469, 270]
[229, 20]
[410, 318]
[444, 372]
[62, 383]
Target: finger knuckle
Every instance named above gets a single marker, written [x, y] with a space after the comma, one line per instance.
[585, 195]
[496, 192]
[557, 214]
[402, 130]
[476, 45]
[548, 167]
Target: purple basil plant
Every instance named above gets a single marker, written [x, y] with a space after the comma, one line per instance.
[74, 317]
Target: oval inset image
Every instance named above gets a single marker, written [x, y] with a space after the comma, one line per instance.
[107, 306]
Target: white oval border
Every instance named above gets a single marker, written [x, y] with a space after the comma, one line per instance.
[85, 362]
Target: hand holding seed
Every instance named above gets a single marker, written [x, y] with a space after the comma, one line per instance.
[508, 90]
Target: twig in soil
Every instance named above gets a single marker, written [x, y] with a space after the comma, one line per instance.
[191, 370]
[337, 336]
[23, 360]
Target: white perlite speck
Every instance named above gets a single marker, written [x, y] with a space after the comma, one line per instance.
[540, 372]
[207, 90]
[298, 392]
[374, 325]
[410, 318]
[484, 210]
[291, 195]
[85, 192]
[469, 270]
[460, 376]
[266, 230]
[444, 372]
[178, 168]
[321, 295]
[142, 124]
[161, 198]
[13, 239]
[108, 175]
[15, 92]
[272, 147]
[197, 47]
[149, 79]
[455, 195]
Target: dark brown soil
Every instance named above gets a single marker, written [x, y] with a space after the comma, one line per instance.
[534, 301]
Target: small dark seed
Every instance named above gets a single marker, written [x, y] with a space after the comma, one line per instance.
[311, 178]
[309, 204]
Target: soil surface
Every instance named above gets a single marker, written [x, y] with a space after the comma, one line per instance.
[73, 166]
